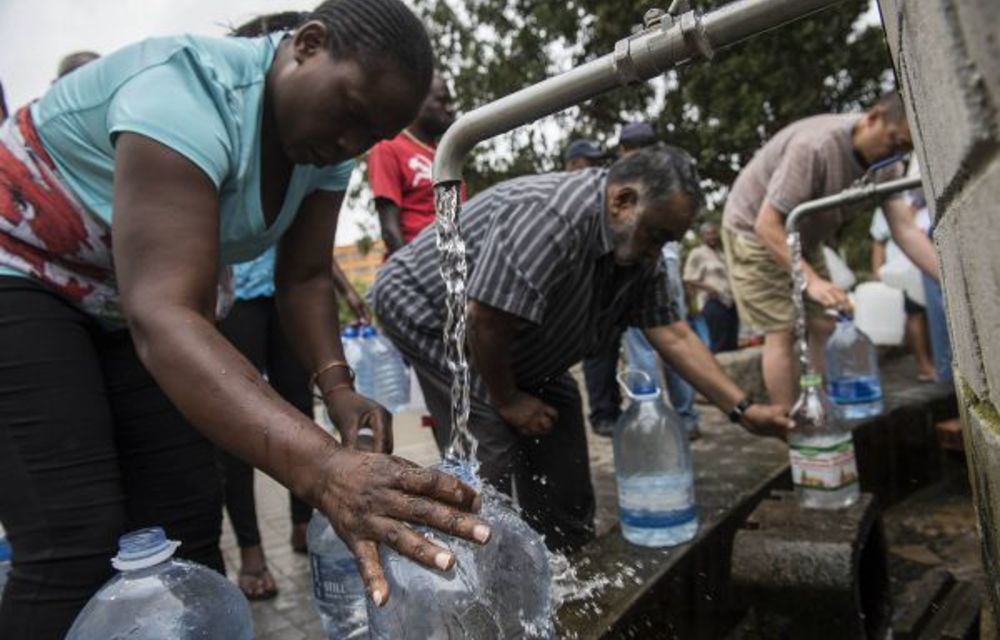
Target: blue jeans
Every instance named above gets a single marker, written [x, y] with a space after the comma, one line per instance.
[937, 326]
[642, 356]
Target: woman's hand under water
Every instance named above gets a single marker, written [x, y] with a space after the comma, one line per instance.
[369, 498]
[351, 412]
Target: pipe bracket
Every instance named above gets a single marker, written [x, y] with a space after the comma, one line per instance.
[695, 35]
[624, 64]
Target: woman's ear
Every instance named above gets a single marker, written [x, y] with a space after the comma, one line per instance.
[309, 39]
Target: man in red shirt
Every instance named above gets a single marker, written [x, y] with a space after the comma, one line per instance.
[399, 170]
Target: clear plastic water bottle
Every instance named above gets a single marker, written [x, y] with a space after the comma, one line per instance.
[338, 590]
[653, 467]
[640, 356]
[495, 591]
[391, 376]
[824, 471]
[852, 372]
[4, 561]
[158, 597]
[354, 353]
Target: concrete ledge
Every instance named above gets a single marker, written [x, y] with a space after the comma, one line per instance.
[684, 592]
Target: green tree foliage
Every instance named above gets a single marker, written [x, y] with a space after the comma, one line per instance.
[721, 111]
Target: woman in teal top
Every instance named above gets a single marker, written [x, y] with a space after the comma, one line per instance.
[124, 192]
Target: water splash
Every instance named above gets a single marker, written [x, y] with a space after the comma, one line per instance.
[454, 271]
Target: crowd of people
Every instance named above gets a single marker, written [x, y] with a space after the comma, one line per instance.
[143, 379]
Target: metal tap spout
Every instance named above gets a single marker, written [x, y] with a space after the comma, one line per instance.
[669, 40]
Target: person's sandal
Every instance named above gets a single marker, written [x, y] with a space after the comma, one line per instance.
[253, 584]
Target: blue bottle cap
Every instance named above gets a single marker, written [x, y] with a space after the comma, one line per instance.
[143, 548]
[368, 331]
[4, 550]
[644, 388]
[350, 331]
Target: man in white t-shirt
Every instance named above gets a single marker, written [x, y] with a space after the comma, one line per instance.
[886, 253]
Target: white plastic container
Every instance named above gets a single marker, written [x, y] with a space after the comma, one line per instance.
[903, 274]
[840, 274]
[878, 311]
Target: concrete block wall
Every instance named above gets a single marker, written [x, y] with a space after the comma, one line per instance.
[947, 59]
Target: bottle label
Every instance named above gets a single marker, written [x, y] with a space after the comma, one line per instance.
[656, 502]
[826, 464]
[855, 390]
[336, 579]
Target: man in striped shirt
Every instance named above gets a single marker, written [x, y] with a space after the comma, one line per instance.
[558, 265]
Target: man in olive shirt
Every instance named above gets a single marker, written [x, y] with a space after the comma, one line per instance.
[809, 159]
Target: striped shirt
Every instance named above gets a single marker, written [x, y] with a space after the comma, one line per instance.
[538, 247]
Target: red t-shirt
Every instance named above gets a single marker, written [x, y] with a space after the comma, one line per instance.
[399, 170]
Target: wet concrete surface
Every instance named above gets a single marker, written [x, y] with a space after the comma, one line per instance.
[930, 529]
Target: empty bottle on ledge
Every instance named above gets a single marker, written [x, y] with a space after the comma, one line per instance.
[653, 468]
[852, 372]
[821, 449]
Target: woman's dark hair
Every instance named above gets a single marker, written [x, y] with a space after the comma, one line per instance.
[662, 170]
[376, 33]
[263, 25]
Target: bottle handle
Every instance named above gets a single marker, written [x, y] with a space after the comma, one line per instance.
[624, 385]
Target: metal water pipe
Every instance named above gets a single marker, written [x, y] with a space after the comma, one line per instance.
[851, 195]
[670, 39]
[862, 191]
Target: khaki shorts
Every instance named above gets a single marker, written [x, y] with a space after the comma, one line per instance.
[762, 288]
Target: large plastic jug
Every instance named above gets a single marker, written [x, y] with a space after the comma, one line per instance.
[500, 590]
[653, 468]
[639, 355]
[158, 597]
[357, 358]
[390, 373]
[878, 311]
[904, 275]
[4, 561]
[338, 590]
[852, 376]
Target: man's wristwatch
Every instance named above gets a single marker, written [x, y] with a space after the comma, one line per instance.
[736, 413]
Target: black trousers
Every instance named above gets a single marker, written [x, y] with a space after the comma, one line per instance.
[723, 326]
[551, 473]
[90, 448]
[599, 373]
[253, 328]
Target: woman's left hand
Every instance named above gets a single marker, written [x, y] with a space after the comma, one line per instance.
[350, 411]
